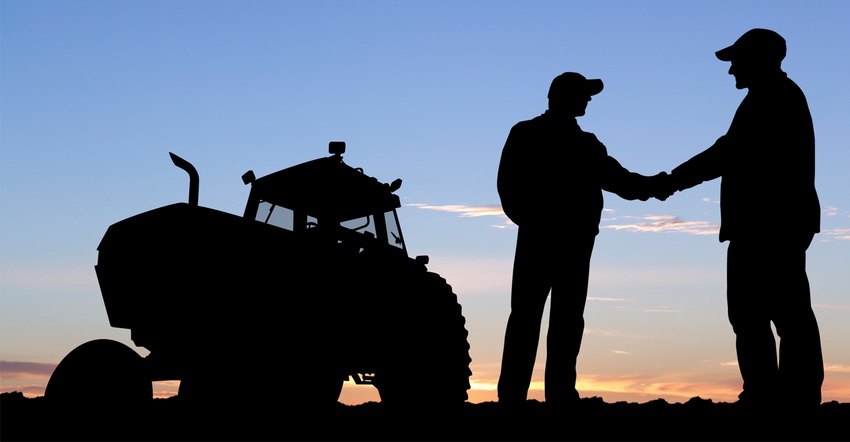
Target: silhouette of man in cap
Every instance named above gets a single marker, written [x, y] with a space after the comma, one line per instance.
[766, 162]
[550, 182]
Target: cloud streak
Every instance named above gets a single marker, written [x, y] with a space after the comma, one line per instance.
[836, 368]
[831, 306]
[596, 298]
[464, 211]
[661, 224]
[836, 234]
[25, 370]
[647, 223]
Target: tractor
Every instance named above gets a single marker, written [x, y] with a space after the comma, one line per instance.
[311, 287]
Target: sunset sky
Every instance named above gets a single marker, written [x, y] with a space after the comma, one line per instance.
[96, 93]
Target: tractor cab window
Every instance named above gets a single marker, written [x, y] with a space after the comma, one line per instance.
[394, 237]
[279, 216]
[364, 226]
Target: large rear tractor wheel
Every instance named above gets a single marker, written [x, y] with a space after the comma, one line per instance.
[428, 361]
[102, 371]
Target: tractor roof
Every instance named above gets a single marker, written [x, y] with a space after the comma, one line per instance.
[326, 188]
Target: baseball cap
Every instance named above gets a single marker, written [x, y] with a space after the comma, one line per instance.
[572, 83]
[755, 44]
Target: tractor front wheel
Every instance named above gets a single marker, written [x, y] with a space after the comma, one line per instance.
[100, 371]
[428, 344]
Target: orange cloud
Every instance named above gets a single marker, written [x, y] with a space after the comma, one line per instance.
[672, 388]
[830, 306]
[25, 370]
[165, 389]
[723, 385]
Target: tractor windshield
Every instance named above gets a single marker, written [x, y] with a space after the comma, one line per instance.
[385, 229]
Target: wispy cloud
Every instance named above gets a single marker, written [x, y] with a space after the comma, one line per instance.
[830, 306]
[837, 234]
[620, 352]
[476, 384]
[836, 368]
[829, 211]
[671, 387]
[165, 389]
[842, 234]
[28, 378]
[25, 370]
[661, 223]
[464, 211]
[596, 298]
[646, 223]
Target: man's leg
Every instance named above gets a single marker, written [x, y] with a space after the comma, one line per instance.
[749, 313]
[800, 356]
[529, 289]
[566, 321]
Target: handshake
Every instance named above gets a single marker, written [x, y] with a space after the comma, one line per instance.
[659, 186]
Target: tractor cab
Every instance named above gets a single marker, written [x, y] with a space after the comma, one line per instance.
[329, 196]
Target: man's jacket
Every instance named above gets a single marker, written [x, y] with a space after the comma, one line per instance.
[552, 174]
[767, 164]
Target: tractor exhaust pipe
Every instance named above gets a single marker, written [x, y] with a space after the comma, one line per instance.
[194, 179]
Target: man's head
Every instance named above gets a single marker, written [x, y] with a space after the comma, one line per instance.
[570, 92]
[755, 55]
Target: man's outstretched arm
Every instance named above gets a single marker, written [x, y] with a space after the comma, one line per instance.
[704, 166]
[634, 186]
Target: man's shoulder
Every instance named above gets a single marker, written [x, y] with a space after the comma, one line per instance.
[537, 121]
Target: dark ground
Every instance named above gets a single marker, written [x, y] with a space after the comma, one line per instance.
[168, 419]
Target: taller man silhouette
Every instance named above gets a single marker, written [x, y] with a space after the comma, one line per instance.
[767, 164]
[550, 181]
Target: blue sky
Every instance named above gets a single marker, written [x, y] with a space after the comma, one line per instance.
[96, 93]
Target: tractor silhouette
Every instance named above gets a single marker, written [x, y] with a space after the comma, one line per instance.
[310, 287]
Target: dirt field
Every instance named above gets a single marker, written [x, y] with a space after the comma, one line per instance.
[591, 419]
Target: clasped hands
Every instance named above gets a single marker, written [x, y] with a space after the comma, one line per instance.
[659, 186]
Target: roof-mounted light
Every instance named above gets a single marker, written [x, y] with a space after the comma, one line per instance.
[336, 147]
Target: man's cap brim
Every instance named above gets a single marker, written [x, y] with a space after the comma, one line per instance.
[594, 86]
[725, 54]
